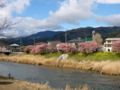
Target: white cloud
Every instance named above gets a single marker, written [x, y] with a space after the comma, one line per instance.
[70, 12]
[11, 6]
[108, 1]
[113, 20]
[30, 25]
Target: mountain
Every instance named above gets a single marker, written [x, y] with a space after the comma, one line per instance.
[29, 40]
[115, 34]
[83, 33]
[70, 34]
[44, 34]
[3, 43]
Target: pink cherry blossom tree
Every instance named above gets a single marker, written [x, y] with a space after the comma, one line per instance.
[65, 47]
[116, 46]
[28, 48]
[88, 47]
[39, 49]
[50, 48]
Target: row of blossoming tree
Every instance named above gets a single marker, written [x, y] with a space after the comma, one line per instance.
[85, 47]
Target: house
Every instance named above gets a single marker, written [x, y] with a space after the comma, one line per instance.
[74, 42]
[108, 43]
[15, 47]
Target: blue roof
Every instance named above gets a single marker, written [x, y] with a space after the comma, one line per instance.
[76, 40]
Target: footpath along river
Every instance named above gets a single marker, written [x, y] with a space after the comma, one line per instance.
[59, 77]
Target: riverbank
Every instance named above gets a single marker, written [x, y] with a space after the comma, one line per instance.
[103, 67]
[15, 84]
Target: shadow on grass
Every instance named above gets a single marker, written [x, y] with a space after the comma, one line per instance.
[5, 83]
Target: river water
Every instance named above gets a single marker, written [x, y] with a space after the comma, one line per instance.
[60, 77]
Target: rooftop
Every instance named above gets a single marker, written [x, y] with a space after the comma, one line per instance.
[14, 44]
[113, 39]
[76, 40]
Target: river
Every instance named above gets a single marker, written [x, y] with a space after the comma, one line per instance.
[59, 77]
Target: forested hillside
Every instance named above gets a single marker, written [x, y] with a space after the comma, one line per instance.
[83, 33]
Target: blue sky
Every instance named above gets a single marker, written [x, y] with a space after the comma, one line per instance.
[57, 15]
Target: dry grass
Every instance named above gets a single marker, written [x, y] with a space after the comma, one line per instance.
[50, 62]
[106, 67]
[85, 65]
[85, 87]
[111, 68]
[13, 84]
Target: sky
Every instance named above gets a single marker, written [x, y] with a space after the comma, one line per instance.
[58, 15]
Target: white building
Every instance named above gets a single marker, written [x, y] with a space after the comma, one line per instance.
[109, 42]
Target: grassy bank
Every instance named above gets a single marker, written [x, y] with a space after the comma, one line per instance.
[101, 56]
[14, 84]
[107, 63]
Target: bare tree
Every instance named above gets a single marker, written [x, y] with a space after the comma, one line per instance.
[6, 24]
[97, 38]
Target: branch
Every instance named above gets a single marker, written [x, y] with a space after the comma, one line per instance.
[2, 3]
[8, 25]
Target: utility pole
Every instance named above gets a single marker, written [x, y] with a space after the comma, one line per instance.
[34, 40]
[20, 43]
[93, 33]
[86, 39]
[65, 37]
